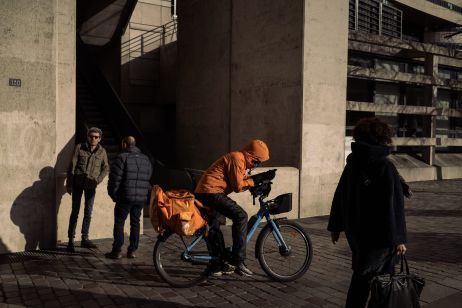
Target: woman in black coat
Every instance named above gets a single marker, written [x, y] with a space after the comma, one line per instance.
[368, 206]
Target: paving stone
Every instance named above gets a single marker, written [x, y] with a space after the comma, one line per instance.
[32, 302]
[88, 279]
[53, 303]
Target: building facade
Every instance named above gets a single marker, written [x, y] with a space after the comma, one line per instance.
[194, 79]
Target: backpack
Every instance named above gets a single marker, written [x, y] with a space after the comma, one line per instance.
[176, 210]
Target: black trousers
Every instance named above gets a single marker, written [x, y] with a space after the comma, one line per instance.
[121, 212]
[77, 193]
[367, 264]
[227, 207]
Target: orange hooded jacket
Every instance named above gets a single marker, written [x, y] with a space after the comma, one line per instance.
[227, 174]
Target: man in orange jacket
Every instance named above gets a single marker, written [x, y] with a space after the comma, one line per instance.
[226, 175]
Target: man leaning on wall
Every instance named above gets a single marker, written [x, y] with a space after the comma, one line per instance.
[88, 168]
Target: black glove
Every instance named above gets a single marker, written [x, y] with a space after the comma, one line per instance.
[264, 176]
[260, 190]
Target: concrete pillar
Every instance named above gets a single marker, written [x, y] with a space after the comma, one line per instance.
[203, 90]
[431, 96]
[37, 118]
[325, 46]
[239, 79]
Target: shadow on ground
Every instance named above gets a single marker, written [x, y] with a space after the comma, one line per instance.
[61, 297]
[435, 247]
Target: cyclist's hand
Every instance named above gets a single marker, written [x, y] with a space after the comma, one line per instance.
[334, 236]
[401, 250]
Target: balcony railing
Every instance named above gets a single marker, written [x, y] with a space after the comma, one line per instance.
[376, 17]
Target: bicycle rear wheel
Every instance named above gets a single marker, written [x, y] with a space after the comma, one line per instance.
[171, 265]
[281, 264]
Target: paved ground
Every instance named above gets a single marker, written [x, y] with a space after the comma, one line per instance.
[87, 279]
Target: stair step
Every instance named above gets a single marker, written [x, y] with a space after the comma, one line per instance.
[109, 135]
[94, 114]
[84, 92]
[95, 119]
[108, 140]
[90, 108]
[87, 100]
[111, 148]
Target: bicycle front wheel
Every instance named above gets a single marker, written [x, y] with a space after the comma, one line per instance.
[289, 262]
[172, 265]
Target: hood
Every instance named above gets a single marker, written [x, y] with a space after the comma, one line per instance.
[365, 153]
[255, 150]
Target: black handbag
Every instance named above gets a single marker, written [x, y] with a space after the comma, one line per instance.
[400, 290]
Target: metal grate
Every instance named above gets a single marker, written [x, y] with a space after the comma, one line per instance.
[376, 17]
[20, 257]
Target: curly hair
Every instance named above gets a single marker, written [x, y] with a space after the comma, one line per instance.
[373, 131]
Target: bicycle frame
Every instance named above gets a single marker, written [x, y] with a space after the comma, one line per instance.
[262, 212]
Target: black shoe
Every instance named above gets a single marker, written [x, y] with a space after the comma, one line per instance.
[86, 243]
[227, 269]
[223, 269]
[70, 246]
[113, 255]
[131, 254]
[243, 270]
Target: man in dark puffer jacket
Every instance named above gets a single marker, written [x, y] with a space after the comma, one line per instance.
[128, 187]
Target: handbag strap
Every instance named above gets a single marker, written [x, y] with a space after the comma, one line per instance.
[404, 262]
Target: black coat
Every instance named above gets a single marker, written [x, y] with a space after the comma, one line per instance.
[129, 178]
[368, 204]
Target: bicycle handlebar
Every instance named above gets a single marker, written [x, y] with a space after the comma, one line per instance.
[263, 187]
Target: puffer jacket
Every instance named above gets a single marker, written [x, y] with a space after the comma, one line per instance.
[227, 174]
[129, 179]
[87, 169]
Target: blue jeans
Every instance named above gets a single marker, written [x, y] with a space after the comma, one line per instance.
[77, 193]
[121, 212]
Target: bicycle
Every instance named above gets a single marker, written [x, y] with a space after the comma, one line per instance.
[285, 256]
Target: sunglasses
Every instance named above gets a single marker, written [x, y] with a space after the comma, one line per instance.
[93, 137]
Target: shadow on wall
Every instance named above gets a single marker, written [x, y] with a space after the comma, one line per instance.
[35, 209]
[31, 211]
[3, 248]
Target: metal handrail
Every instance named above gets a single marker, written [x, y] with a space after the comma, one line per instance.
[144, 43]
[156, 32]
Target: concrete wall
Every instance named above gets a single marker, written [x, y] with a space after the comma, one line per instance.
[266, 72]
[37, 119]
[203, 106]
[239, 79]
[324, 95]
[286, 181]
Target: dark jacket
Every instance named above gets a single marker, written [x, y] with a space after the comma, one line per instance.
[87, 169]
[129, 177]
[368, 204]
